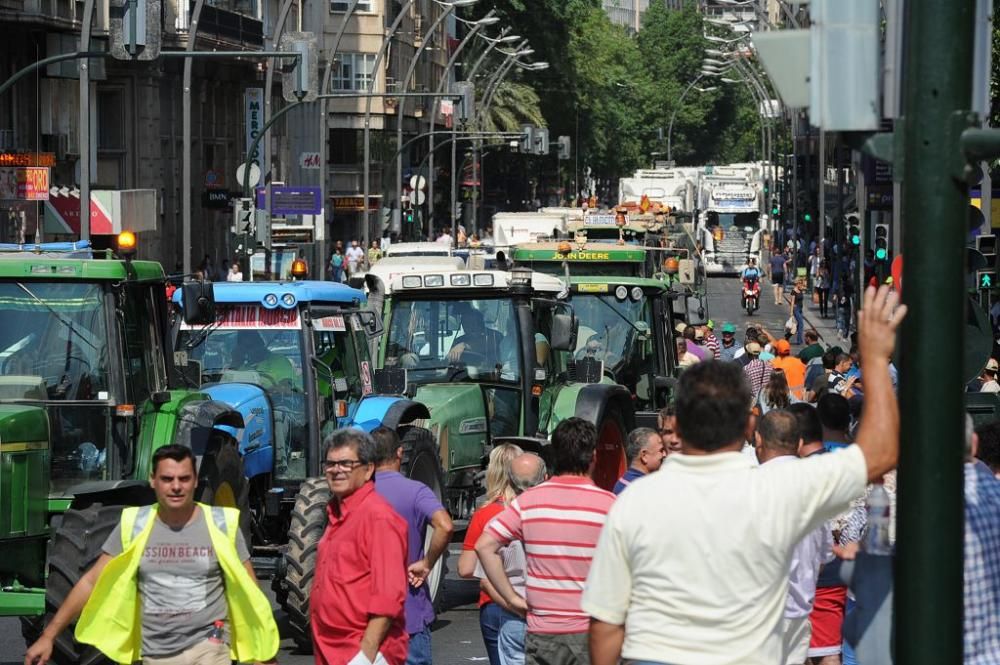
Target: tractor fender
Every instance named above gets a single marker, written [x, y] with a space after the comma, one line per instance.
[593, 400]
[391, 412]
[111, 492]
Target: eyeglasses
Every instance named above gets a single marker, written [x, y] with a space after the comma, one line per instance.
[341, 464]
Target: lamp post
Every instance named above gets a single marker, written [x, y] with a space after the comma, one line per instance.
[404, 85]
[324, 120]
[680, 101]
[366, 166]
[476, 26]
[491, 44]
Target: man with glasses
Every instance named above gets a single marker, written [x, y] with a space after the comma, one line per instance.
[356, 605]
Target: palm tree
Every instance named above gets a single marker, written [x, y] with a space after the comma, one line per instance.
[514, 104]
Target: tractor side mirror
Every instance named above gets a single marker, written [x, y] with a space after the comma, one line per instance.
[564, 329]
[199, 303]
[696, 314]
[371, 322]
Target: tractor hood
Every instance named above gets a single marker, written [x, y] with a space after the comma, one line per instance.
[458, 420]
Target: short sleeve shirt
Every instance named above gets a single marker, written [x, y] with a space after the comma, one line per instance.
[180, 585]
[415, 503]
[777, 264]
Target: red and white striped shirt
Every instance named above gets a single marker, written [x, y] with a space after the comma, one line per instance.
[559, 523]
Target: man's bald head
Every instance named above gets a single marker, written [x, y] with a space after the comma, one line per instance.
[526, 471]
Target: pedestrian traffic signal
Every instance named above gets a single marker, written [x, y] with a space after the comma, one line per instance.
[526, 145]
[408, 216]
[880, 241]
[808, 218]
[565, 147]
[775, 208]
[853, 229]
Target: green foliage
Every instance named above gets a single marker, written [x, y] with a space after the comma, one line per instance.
[514, 103]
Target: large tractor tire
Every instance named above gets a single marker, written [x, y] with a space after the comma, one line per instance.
[610, 463]
[422, 462]
[308, 522]
[75, 547]
[221, 481]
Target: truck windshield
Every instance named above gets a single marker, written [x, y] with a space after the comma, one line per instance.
[608, 332]
[263, 347]
[53, 344]
[441, 341]
[741, 220]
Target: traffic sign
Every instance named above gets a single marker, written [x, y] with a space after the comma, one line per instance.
[417, 182]
[254, 174]
[985, 279]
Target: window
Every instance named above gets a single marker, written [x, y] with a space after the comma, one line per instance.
[354, 71]
[344, 146]
[111, 123]
[342, 6]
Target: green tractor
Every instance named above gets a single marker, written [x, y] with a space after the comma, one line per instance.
[487, 352]
[626, 320]
[85, 399]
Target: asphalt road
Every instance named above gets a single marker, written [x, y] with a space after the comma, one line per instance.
[456, 636]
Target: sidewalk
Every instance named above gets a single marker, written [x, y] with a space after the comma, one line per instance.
[827, 328]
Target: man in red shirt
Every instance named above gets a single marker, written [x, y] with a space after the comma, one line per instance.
[559, 523]
[357, 597]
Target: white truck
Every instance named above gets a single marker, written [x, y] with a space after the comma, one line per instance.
[672, 187]
[730, 225]
[515, 228]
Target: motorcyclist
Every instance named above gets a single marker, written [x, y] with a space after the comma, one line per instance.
[751, 280]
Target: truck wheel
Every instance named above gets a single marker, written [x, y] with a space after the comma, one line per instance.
[422, 462]
[221, 482]
[610, 463]
[74, 548]
[308, 522]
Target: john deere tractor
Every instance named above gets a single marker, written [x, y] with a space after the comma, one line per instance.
[85, 399]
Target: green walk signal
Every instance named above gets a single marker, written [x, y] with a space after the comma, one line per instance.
[880, 253]
[808, 217]
[774, 211]
[985, 281]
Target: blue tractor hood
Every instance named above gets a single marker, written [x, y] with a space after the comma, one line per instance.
[256, 439]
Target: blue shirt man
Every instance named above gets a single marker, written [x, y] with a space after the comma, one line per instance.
[645, 452]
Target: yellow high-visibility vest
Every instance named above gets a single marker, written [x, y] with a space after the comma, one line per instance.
[112, 618]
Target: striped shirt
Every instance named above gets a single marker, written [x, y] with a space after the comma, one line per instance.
[559, 523]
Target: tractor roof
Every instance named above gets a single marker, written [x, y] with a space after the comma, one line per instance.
[306, 291]
[70, 261]
[468, 281]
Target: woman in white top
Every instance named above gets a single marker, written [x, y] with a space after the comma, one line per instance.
[235, 274]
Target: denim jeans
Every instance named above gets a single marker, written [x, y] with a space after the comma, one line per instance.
[511, 642]
[420, 648]
[492, 617]
[800, 325]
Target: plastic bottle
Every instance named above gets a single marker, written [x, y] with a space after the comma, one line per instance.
[218, 635]
[877, 537]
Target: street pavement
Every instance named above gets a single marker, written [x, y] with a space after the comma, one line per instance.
[456, 636]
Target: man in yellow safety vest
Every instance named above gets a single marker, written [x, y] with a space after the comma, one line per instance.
[174, 584]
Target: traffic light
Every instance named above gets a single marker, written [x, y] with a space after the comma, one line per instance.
[986, 275]
[408, 216]
[880, 241]
[541, 138]
[808, 218]
[775, 208]
[527, 143]
[854, 230]
[565, 147]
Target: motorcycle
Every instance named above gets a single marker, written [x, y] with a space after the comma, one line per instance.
[751, 295]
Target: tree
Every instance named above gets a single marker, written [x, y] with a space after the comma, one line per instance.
[514, 103]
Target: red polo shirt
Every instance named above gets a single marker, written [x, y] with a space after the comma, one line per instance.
[360, 572]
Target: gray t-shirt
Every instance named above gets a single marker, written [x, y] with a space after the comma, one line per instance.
[180, 585]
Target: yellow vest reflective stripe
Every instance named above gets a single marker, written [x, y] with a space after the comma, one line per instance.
[112, 618]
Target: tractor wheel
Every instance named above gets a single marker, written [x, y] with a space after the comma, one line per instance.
[422, 462]
[610, 464]
[74, 548]
[308, 522]
[221, 482]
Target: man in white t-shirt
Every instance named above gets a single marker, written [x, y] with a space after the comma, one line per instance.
[445, 238]
[718, 594]
[355, 256]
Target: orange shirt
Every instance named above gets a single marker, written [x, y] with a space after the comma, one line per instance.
[795, 374]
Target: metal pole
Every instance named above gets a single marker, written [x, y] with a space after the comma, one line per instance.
[401, 108]
[670, 125]
[434, 109]
[324, 121]
[45, 62]
[186, 141]
[821, 213]
[368, 112]
[279, 28]
[935, 199]
[88, 18]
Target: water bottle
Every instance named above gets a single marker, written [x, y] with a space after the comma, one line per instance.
[217, 636]
[877, 538]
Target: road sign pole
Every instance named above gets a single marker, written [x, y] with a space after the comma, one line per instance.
[929, 565]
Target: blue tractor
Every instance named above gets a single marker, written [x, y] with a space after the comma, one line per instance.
[293, 359]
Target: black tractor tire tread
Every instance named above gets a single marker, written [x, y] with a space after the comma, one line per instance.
[75, 546]
[308, 522]
[415, 440]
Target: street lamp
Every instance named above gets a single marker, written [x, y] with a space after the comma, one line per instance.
[476, 26]
[404, 85]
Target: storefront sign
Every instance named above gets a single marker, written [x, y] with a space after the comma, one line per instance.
[216, 199]
[27, 183]
[27, 159]
[355, 203]
[254, 107]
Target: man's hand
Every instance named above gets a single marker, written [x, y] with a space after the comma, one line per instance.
[417, 573]
[847, 552]
[39, 652]
[518, 605]
[456, 352]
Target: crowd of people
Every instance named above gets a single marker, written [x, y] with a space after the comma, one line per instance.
[721, 543]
